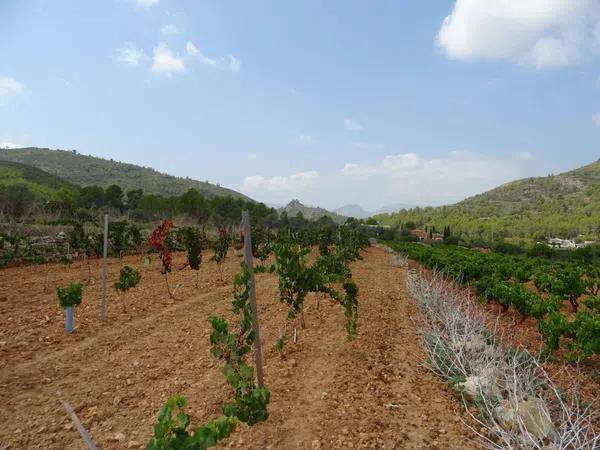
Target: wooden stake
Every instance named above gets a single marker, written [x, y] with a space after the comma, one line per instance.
[295, 335]
[250, 264]
[84, 435]
[104, 268]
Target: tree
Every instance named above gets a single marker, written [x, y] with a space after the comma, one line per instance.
[133, 198]
[16, 200]
[114, 197]
[371, 221]
[91, 197]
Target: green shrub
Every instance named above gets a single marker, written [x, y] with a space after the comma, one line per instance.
[128, 278]
[69, 296]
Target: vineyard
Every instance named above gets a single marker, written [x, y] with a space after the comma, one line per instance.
[534, 287]
[251, 337]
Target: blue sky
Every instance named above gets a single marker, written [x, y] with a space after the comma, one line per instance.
[337, 102]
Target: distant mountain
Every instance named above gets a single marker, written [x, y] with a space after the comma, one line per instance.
[359, 212]
[86, 170]
[36, 180]
[563, 205]
[355, 211]
[309, 212]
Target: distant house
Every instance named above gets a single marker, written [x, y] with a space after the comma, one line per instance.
[566, 243]
[424, 235]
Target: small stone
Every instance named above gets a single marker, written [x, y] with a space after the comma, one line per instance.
[133, 444]
[293, 362]
[119, 437]
[316, 444]
[323, 395]
[129, 381]
[69, 426]
[117, 400]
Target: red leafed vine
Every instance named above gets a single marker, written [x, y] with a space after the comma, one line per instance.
[158, 241]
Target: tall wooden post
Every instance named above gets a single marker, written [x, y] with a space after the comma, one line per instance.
[104, 268]
[250, 263]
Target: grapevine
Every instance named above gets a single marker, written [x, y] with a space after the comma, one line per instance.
[158, 241]
[128, 278]
[192, 240]
[220, 247]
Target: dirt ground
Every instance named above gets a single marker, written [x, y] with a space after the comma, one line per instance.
[327, 392]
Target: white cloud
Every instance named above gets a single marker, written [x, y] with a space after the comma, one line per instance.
[596, 119]
[251, 156]
[226, 62]
[543, 34]
[146, 3]
[193, 52]
[10, 86]
[295, 182]
[6, 145]
[353, 125]
[165, 61]
[129, 54]
[169, 29]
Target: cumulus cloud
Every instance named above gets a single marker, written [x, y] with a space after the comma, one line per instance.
[542, 34]
[226, 62]
[595, 119]
[353, 125]
[251, 156]
[9, 86]
[129, 55]
[292, 183]
[193, 51]
[169, 29]
[168, 62]
[165, 61]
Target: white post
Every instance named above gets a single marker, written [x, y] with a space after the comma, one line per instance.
[250, 264]
[104, 268]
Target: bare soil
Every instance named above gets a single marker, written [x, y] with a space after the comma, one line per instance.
[327, 392]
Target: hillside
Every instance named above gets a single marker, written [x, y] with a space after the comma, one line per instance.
[565, 205]
[310, 212]
[36, 180]
[86, 170]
